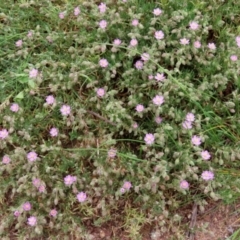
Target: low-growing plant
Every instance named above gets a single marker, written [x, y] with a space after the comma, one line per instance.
[235, 235]
[116, 110]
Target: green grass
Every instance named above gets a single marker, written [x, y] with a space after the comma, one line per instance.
[207, 84]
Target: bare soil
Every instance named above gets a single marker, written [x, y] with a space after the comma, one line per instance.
[218, 222]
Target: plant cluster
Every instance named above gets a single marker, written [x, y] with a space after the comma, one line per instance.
[107, 107]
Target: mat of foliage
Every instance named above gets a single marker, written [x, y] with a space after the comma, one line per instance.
[115, 110]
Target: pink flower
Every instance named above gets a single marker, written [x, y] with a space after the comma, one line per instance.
[32, 156]
[234, 58]
[149, 138]
[6, 159]
[133, 42]
[69, 180]
[127, 185]
[27, 206]
[16, 213]
[157, 11]
[212, 46]
[53, 213]
[237, 39]
[158, 120]
[193, 25]
[184, 41]
[139, 108]
[33, 73]
[117, 42]
[135, 125]
[30, 34]
[61, 15]
[184, 184]
[102, 7]
[112, 153]
[207, 175]
[190, 117]
[3, 133]
[14, 107]
[50, 100]
[32, 221]
[82, 196]
[135, 22]
[53, 132]
[102, 24]
[196, 140]
[77, 11]
[122, 190]
[103, 62]
[36, 182]
[205, 155]
[158, 100]
[19, 43]
[159, 35]
[197, 44]
[145, 57]
[150, 77]
[139, 65]
[159, 77]
[187, 125]
[65, 110]
[41, 188]
[100, 92]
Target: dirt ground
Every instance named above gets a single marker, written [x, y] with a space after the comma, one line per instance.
[218, 222]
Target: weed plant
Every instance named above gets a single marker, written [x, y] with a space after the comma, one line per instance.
[120, 111]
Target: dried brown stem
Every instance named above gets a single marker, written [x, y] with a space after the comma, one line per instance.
[100, 117]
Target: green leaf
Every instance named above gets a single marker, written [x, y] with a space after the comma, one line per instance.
[73, 135]
[23, 79]
[20, 95]
[31, 83]
[168, 127]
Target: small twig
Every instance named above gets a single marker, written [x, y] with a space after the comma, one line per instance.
[192, 224]
[97, 147]
[99, 116]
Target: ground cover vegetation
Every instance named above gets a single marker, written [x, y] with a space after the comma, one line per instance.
[116, 111]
